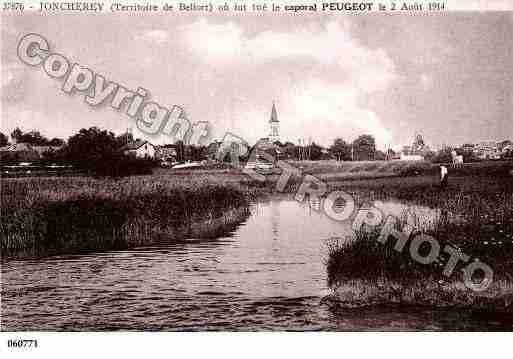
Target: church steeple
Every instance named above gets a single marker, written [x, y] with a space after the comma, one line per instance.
[274, 115]
[274, 124]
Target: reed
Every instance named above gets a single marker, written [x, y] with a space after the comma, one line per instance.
[480, 223]
[45, 216]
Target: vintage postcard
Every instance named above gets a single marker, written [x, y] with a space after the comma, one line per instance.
[255, 166]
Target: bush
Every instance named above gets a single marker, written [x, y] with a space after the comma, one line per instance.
[18, 156]
[443, 156]
[120, 165]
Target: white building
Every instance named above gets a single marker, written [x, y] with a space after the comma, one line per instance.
[487, 150]
[416, 151]
[140, 149]
[409, 157]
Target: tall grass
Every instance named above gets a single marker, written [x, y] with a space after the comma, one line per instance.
[478, 221]
[42, 216]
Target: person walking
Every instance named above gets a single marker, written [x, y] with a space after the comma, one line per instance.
[443, 176]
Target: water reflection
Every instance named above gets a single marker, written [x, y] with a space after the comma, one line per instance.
[275, 218]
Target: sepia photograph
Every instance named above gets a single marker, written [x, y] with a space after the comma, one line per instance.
[194, 167]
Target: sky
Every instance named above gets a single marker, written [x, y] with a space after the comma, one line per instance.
[446, 76]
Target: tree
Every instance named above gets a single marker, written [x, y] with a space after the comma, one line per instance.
[364, 148]
[199, 153]
[315, 152]
[467, 153]
[289, 150]
[180, 151]
[34, 138]
[16, 134]
[56, 142]
[443, 156]
[341, 150]
[90, 145]
[504, 144]
[212, 149]
[124, 139]
[380, 156]
[97, 151]
[429, 155]
[4, 141]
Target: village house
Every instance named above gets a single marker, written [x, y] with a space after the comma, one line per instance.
[17, 147]
[267, 144]
[507, 148]
[46, 149]
[23, 151]
[212, 150]
[166, 153]
[468, 147]
[416, 151]
[139, 149]
[408, 155]
[487, 150]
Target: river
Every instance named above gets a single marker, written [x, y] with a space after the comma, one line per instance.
[267, 273]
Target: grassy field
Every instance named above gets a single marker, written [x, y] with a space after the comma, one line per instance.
[332, 170]
[363, 168]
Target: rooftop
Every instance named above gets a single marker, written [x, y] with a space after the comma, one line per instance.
[133, 145]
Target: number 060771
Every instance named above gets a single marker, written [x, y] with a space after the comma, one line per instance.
[22, 343]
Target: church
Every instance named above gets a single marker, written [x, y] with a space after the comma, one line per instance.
[266, 144]
[274, 128]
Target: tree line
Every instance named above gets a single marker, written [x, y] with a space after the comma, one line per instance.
[93, 151]
[34, 138]
[98, 151]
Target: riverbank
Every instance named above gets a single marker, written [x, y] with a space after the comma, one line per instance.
[476, 219]
[77, 214]
[70, 215]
